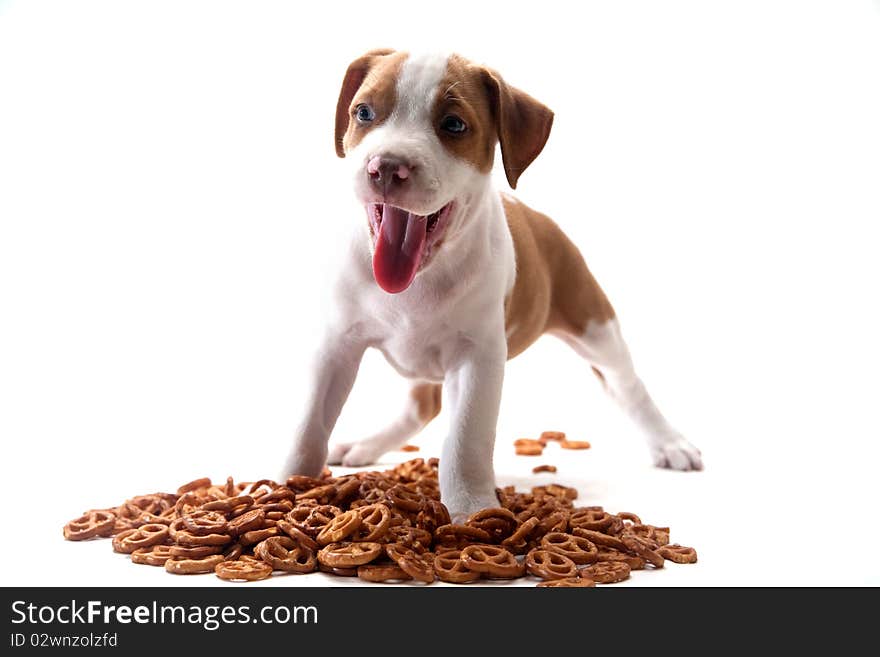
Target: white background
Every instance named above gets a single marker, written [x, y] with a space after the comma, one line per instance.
[170, 201]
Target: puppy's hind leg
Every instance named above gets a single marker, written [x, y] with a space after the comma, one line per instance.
[422, 406]
[603, 346]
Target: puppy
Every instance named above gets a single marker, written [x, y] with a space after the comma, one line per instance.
[448, 278]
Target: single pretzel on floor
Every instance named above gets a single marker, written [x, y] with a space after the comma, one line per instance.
[89, 525]
[574, 444]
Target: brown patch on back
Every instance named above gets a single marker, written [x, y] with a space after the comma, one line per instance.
[427, 397]
[372, 80]
[463, 92]
[554, 289]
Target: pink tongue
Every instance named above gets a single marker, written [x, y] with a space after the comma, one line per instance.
[399, 248]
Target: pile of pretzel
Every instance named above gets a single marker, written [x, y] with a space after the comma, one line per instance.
[381, 527]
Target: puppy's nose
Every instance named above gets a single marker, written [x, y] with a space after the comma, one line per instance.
[386, 172]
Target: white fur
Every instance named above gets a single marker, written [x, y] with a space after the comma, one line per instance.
[603, 346]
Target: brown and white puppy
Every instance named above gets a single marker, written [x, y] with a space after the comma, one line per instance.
[448, 278]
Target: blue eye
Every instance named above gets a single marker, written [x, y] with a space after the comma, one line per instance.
[452, 124]
[364, 113]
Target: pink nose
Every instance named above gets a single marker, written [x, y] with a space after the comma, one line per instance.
[385, 171]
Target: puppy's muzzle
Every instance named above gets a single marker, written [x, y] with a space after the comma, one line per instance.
[388, 175]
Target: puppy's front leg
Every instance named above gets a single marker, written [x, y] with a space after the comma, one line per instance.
[334, 368]
[467, 478]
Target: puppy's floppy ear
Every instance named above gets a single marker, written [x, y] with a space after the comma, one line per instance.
[354, 77]
[523, 124]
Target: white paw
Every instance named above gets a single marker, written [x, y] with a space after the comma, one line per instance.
[676, 453]
[353, 455]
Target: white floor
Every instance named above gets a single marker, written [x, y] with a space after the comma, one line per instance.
[749, 527]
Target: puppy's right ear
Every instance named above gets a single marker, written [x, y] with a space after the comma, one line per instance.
[354, 77]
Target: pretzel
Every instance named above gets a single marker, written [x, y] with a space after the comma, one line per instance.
[454, 535]
[547, 436]
[318, 518]
[339, 528]
[302, 483]
[497, 522]
[449, 567]
[414, 538]
[578, 549]
[180, 535]
[346, 489]
[145, 536]
[89, 525]
[400, 497]
[411, 562]
[155, 555]
[204, 522]
[528, 442]
[257, 535]
[339, 572]
[517, 541]
[678, 553]
[637, 546]
[607, 572]
[233, 552]
[574, 444]
[196, 552]
[611, 555]
[230, 504]
[555, 522]
[247, 521]
[322, 494]
[349, 555]
[550, 565]
[184, 566]
[568, 582]
[409, 448]
[543, 468]
[194, 485]
[283, 553]
[382, 573]
[632, 517]
[530, 450]
[598, 538]
[300, 537]
[492, 560]
[587, 518]
[242, 571]
[433, 515]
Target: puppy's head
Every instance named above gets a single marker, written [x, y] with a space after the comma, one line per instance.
[420, 132]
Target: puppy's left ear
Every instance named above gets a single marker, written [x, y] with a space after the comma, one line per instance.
[354, 78]
[523, 124]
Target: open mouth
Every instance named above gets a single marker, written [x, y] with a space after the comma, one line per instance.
[402, 239]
